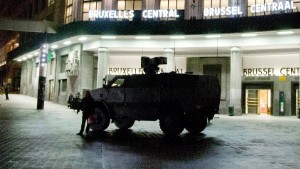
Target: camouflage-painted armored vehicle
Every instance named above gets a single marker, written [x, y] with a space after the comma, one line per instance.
[178, 101]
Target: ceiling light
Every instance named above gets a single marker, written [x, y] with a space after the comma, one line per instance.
[248, 34]
[142, 37]
[177, 37]
[19, 60]
[108, 37]
[29, 56]
[54, 46]
[67, 42]
[24, 58]
[213, 36]
[82, 38]
[284, 32]
[35, 53]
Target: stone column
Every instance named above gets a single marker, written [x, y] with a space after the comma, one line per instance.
[169, 54]
[235, 80]
[103, 60]
[297, 111]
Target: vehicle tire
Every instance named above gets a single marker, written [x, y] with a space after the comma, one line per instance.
[124, 123]
[172, 124]
[195, 124]
[101, 121]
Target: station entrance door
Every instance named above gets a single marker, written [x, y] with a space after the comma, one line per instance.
[257, 99]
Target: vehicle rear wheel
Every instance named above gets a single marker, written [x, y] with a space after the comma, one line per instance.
[195, 124]
[172, 124]
[124, 123]
[101, 121]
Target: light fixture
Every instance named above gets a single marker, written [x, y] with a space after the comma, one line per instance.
[213, 36]
[82, 38]
[29, 56]
[284, 32]
[35, 53]
[67, 42]
[177, 37]
[54, 46]
[248, 34]
[142, 37]
[19, 60]
[24, 58]
[108, 37]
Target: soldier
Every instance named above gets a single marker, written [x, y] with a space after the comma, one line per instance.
[87, 107]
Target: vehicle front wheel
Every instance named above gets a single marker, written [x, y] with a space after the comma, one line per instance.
[195, 124]
[101, 121]
[172, 124]
[124, 123]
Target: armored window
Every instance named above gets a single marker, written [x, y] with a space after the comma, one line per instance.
[118, 83]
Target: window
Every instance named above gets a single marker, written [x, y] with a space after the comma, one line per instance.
[52, 67]
[63, 85]
[118, 83]
[37, 70]
[63, 63]
[130, 5]
[90, 5]
[68, 13]
[172, 4]
[50, 2]
[215, 4]
[297, 5]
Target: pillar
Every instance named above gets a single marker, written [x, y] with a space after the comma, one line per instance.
[169, 54]
[235, 80]
[103, 60]
[298, 110]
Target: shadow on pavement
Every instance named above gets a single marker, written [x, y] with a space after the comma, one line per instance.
[156, 145]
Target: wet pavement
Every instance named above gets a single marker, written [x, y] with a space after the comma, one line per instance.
[31, 138]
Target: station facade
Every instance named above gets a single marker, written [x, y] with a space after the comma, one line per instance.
[251, 46]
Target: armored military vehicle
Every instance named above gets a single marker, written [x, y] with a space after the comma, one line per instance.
[178, 101]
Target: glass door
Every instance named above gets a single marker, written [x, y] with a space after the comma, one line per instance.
[258, 101]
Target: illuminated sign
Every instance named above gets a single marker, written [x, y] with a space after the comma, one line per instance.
[285, 71]
[267, 7]
[236, 10]
[131, 71]
[160, 14]
[129, 14]
[111, 14]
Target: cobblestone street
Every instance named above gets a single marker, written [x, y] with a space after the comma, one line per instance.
[31, 138]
